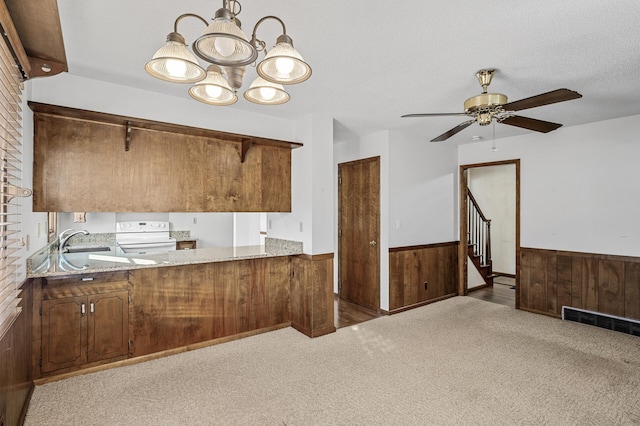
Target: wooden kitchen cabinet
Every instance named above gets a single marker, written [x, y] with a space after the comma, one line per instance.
[89, 161]
[186, 245]
[174, 307]
[83, 322]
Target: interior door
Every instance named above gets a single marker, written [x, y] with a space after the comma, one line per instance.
[359, 232]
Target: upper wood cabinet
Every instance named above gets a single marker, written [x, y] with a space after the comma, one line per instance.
[94, 162]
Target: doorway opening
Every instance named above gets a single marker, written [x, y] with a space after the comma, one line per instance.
[496, 187]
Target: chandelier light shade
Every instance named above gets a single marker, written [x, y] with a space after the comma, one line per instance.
[174, 62]
[283, 64]
[227, 48]
[224, 43]
[264, 92]
[214, 89]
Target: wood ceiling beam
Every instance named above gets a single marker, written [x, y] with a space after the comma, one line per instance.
[39, 33]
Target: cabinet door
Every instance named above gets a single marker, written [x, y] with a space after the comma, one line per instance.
[64, 336]
[108, 325]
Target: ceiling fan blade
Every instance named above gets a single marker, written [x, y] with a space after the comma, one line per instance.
[530, 123]
[435, 114]
[559, 95]
[453, 131]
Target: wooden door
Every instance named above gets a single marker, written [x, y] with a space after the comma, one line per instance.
[359, 232]
[64, 333]
[108, 325]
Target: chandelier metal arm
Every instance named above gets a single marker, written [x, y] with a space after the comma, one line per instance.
[184, 15]
[259, 43]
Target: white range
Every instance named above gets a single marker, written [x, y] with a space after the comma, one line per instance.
[144, 237]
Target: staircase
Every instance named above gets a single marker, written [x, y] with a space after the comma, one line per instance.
[479, 239]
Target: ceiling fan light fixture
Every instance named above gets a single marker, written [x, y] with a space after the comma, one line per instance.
[264, 92]
[485, 107]
[224, 43]
[283, 64]
[174, 62]
[214, 89]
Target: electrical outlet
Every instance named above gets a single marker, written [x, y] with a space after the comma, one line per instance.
[195, 220]
[301, 228]
[79, 217]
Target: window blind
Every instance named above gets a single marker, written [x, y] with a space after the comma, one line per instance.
[11, 253]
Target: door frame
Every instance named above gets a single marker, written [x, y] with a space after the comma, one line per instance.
[464, 208]
[376, 159]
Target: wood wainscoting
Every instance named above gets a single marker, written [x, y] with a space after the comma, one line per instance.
[422, 274]
[550, 279]
[312, 294]
[16, 380]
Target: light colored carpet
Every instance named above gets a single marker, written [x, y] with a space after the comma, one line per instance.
[461, 361]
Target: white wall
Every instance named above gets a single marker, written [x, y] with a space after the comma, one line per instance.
[78, 92]
[494, 188]
[246, 229]
[578, 185]
[423, 187]
[312, 206]
[209, 229]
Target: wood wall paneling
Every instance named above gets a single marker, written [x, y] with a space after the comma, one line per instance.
[16, 379]
[602, 283]
[411, 267]
[632, 290]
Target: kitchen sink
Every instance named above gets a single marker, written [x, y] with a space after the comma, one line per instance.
[86, 249]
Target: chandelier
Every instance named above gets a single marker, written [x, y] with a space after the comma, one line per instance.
[227, 48]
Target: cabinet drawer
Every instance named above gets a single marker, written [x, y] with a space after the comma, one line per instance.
[97, 277]
[84, 284]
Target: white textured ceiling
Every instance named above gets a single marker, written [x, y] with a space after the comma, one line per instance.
[374, 61]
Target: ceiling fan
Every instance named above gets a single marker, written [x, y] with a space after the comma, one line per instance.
[486, 107]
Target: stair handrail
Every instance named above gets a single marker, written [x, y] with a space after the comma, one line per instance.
[477, 206]
[479, 237]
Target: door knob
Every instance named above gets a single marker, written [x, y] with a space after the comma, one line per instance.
[372, 242]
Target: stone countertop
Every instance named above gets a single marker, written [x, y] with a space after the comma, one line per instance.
[50, 262]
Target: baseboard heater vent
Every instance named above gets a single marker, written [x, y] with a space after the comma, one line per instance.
[611, 322]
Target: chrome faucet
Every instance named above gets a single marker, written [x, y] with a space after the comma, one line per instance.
[63, 238]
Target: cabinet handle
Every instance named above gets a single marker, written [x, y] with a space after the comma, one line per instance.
[87, 279]
[82, 309]
[91, 307]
